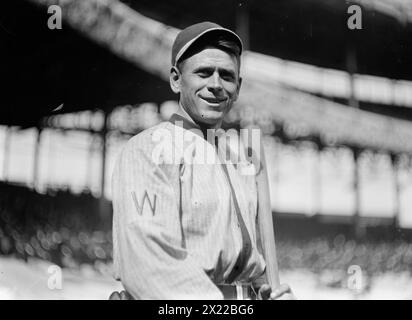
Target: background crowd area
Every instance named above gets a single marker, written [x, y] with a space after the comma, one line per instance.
[66, 230]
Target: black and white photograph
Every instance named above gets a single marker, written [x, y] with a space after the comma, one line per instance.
[206, 150]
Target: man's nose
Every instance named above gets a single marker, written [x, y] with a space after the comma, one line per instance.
[215, 83]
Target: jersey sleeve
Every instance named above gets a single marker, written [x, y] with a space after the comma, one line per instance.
[149, 253]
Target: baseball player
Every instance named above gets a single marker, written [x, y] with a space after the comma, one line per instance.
[184, 200]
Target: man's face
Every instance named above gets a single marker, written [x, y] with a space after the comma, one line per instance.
[208, 83]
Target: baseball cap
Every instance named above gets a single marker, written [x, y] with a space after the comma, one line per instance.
[187, 37]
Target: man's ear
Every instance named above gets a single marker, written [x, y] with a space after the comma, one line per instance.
[238, 89]
[175, 78]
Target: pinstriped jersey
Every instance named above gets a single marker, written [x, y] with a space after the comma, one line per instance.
[176, 232]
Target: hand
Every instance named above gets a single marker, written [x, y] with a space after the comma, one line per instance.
[123, 295]
[284, 292]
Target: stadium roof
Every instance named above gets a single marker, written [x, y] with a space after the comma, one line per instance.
[146, 43]
[399, 9]
[314, 32]
[44, 70]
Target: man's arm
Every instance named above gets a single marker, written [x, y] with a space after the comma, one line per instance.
[147, 232]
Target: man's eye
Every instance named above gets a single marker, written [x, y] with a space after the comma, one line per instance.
[228, 78]
[203, 74]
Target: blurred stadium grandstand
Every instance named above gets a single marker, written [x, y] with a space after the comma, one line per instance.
[335, 106]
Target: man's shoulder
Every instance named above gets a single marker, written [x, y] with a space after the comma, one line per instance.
[156, 142]
[147, 139]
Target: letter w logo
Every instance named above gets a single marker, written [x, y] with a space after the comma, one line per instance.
[139, 208]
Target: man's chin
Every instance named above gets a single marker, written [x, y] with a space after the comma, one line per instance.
[212, 117]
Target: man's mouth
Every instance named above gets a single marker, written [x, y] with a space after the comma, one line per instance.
[214, 100]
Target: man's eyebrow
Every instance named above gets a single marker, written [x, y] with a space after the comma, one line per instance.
[227, 72]
[203, 68]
